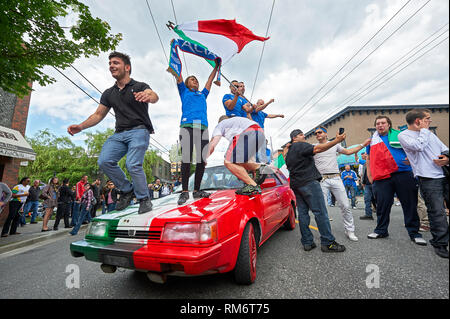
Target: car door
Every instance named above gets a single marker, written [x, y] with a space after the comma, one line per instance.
[270, 198]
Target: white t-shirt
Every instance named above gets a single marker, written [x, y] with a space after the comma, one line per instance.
[421, 148]
[232, 127]
[326, 162]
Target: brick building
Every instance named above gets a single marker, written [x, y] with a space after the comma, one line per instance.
[13, 147]
[358, 121]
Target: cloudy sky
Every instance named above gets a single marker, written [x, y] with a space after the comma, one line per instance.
[310, 41]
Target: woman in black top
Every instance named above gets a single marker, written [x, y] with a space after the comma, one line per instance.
[64, 203]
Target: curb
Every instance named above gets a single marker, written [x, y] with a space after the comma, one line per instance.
[31, 241]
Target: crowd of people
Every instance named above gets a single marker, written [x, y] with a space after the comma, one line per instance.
[394, 164]
[75, 205]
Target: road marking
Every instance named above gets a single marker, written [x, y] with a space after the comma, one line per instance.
[312, 227]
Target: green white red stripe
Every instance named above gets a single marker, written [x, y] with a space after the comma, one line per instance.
[223, 37]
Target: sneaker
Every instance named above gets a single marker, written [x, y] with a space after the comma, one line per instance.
[124, 200]
[365, 217]
[424, 228]
[376, 236]
[441, 251]
[200, 194]
[334, 247]
[397, 204]
[353, 207]
[184, 196]
[309, 247]
[419, 241]
[351, 236]
[249, 190]
[145, 205]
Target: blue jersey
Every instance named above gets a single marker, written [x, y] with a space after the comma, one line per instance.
[193, 105]
[349, 181]
[237, 110]
[259, 117]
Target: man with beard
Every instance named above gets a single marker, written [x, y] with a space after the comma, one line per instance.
[129, 99]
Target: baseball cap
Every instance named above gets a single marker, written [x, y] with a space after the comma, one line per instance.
[294, 133]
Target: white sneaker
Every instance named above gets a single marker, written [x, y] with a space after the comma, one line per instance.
[419, 241]
[351, 235]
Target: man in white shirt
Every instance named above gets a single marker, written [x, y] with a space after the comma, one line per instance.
[326, 163]
[424, 151]
[246, 140]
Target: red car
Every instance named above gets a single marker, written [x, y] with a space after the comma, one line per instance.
[204, 236]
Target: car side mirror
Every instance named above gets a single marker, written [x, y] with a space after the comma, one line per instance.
[268, 183]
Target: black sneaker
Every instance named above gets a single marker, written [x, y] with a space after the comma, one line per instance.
[124, 200]
[334, 247]
[249, 190]
[145, 205]
[309, 247]
[200, 194]
[366, 217]
[184, 196]
[441, 251]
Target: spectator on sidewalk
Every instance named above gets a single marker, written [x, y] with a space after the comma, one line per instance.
[369, 190]
[427, 155]
[390, 173]
[50, 193]
[64, 202]
[96, 188]
[5, 196]
[32, 203]
[349, 178]
[86, 206]
[78, 193]
[19, 197]
[110, 196]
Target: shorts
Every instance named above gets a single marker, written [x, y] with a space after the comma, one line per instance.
[247, 145]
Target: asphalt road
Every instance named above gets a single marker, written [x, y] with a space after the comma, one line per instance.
[284, 271]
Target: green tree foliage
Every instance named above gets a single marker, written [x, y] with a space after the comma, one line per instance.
[31, 37]
[61, 157]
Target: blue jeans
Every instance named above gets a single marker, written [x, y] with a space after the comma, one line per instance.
[83, 214]
[433, 191]
[75, 213]
[310, 197]
[369, 198]
[33, 207]
[133, 144]
[351, 189]
[111, 207]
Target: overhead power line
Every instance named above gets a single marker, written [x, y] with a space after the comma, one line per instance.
[262, 50]
[346, 63]
[354, 68]
[176, 21]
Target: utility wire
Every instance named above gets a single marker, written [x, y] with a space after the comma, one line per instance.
[346, 63]
[176, 21]
[262, 51]
[157, 32]
[354, 68]
[360, 96]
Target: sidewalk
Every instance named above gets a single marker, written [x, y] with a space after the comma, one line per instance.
[31, 234]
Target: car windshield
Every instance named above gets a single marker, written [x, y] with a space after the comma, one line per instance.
[217, 177]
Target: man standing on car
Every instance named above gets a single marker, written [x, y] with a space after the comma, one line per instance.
[129, 99]
[305, 182]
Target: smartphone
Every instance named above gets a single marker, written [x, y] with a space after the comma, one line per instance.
[341, 130]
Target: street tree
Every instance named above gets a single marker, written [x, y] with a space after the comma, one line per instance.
[32, 36]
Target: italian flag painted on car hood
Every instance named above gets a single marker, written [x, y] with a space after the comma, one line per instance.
[223, 37]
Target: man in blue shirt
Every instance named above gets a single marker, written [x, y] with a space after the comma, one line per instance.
[349, 178]
[234, 103]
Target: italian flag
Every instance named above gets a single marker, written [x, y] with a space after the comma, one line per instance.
[223, 37]
[382, 163]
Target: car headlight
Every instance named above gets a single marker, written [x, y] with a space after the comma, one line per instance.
[97, 229]
[191, 233]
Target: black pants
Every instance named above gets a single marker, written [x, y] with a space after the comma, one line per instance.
[404, 184]
[13, 218]
[63, 211]
[188, 138]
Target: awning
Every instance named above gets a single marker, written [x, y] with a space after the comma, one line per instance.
[13, 144]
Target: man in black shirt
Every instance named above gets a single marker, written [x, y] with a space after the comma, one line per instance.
[305, 182]
[129, 99]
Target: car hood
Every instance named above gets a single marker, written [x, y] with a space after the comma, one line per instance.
[166, 209]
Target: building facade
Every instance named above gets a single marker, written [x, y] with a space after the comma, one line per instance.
[358, 121]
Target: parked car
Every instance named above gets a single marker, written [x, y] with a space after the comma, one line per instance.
[210, 235]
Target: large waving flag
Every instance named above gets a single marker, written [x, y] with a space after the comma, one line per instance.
[223, 37]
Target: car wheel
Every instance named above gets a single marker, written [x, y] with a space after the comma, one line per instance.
[245, 270]
[289, 224]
